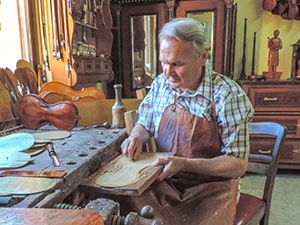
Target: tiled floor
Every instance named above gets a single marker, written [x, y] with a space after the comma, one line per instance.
[285, 206]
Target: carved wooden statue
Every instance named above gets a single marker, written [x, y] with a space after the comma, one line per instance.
[274, 45]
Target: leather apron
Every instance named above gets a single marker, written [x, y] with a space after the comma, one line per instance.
[190, 198]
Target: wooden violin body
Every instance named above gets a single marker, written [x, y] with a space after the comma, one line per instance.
[11, 84]
[34, 113]
[5, 104]
[53, 91]
[27, 80]
[288, 10]
[268, 5]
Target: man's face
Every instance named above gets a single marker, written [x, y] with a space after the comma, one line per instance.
[180, 63]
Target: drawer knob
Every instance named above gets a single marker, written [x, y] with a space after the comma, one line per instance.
[270, 99]
[264, 151]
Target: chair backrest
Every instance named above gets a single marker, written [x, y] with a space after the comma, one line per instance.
[266, 164]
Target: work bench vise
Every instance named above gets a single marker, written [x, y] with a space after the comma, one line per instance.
[110, 213]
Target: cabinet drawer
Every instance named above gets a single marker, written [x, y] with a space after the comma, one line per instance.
[291, 151]
[289, 154]
[79, 65]
[102, 66]
[89, 66]
[292, 122]
[275, 98]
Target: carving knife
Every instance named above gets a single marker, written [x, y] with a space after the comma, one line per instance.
[22, 173]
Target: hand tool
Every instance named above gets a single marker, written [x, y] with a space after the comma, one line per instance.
[52, 154]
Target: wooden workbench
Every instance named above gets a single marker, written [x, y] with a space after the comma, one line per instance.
[80, 155]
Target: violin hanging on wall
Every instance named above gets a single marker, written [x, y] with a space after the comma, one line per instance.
[268, 5]
[287, 9]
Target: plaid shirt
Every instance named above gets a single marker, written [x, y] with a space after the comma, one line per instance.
[233, 108]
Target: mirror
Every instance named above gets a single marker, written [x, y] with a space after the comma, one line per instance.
[219, 18]
[138, 35]
[207, 21]
[143, 51]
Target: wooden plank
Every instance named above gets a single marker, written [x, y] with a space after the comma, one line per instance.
[99, 111]
[36, 216]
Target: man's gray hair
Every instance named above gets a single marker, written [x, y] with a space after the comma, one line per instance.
[185, 29]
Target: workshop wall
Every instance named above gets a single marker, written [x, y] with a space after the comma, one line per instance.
[263, 23]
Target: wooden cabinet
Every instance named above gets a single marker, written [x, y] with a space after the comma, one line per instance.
[277, 101]
[92, 42]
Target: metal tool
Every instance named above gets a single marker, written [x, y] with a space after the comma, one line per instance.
[52, 154]
[106, 125]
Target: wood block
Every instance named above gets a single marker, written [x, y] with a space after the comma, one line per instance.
[141, 93]
[130, 119]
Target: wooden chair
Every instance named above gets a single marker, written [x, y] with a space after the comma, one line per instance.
[252, 209]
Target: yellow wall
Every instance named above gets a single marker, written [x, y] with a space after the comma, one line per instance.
[263, 23]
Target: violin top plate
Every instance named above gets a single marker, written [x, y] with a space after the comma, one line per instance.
[16, 142]
[11, 160]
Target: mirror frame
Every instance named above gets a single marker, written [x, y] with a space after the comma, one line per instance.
[127, 11]
[224, 29]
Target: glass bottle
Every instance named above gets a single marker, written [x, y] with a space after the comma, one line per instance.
[118, 109]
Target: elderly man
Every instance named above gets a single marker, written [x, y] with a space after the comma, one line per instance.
[202, 118]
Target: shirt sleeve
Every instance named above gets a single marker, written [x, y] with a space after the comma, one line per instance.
[234, 115]
[145, 111]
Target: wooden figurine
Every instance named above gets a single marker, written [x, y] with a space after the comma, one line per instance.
[274, 45]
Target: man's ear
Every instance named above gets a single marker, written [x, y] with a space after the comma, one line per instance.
[204, 55]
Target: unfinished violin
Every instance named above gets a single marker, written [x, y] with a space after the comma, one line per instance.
[34, 113]
[5, 104]
[27, 80]
[10, 82]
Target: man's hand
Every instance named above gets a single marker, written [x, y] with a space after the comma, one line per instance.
[172, 165]
[132, 147]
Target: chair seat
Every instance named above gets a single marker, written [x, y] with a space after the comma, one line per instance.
[250, 209]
